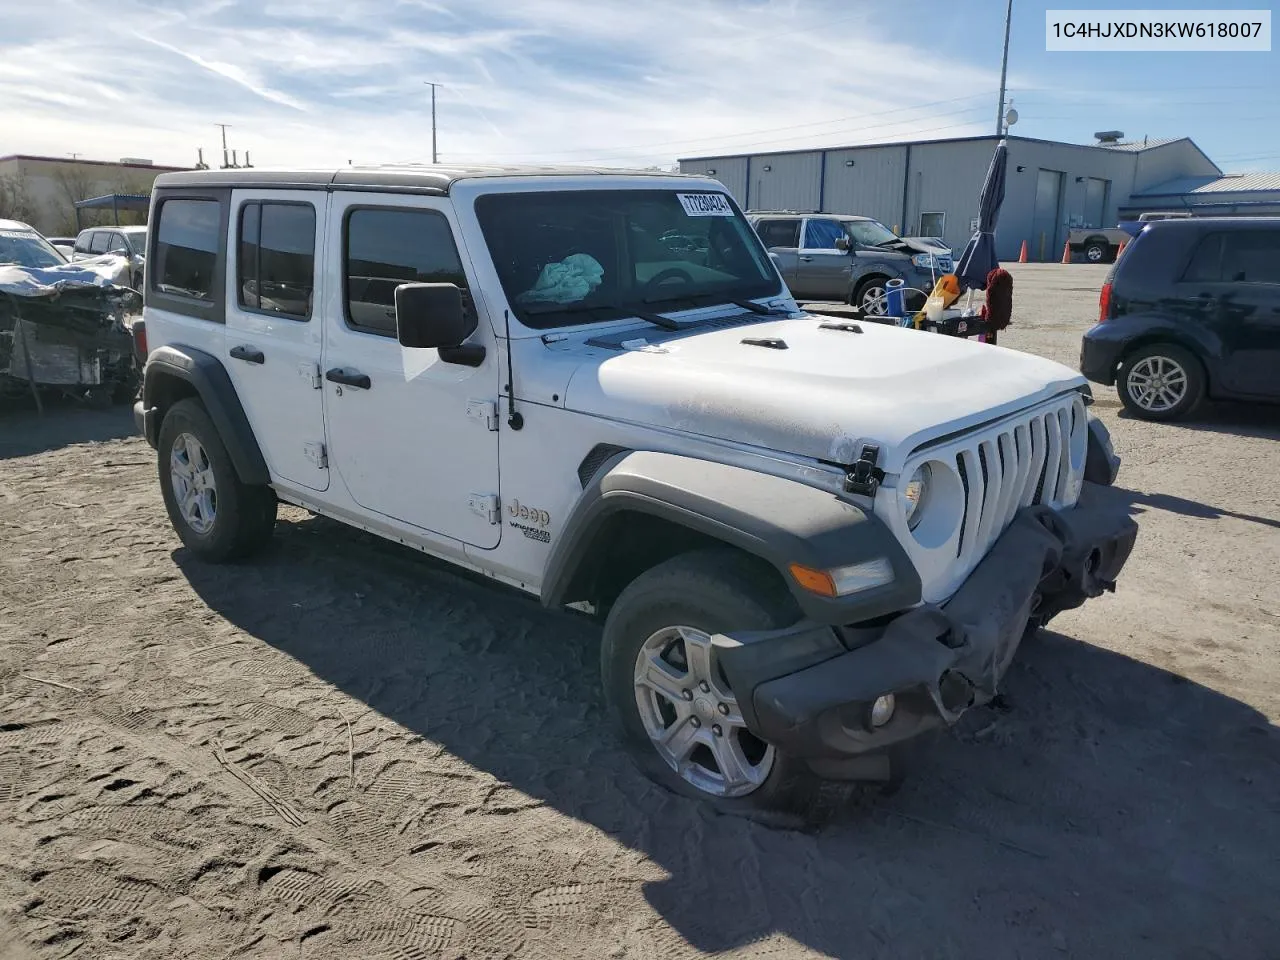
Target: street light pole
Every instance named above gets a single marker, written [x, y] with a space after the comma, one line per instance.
[435, 157]
[1004, 70]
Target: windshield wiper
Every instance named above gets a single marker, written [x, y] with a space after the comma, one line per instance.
[618, 313]
[762, 309]
[657, 319]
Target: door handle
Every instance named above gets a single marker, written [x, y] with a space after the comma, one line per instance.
[806, 259]
[348, 378]
[248, 354]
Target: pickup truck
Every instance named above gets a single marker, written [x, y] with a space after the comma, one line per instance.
[1101, 244]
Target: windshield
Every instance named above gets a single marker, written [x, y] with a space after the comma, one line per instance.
[581, 256]
[870, 233]
[28, 250]
[137, 235]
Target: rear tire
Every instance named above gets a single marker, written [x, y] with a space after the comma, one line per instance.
[217, 517]
[663, 617]
[1161, 382]
[1099, 251]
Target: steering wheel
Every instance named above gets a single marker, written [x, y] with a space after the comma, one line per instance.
[671, 273]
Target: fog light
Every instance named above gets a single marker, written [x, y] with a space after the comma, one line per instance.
[882, 710]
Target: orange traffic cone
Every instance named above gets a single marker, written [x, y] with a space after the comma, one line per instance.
[1066, 253]
[1022, 257]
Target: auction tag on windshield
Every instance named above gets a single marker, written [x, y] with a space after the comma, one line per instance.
[705, 204]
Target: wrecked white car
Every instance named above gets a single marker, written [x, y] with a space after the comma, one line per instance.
[64, 326]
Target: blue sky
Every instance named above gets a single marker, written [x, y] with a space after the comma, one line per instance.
[318, 82]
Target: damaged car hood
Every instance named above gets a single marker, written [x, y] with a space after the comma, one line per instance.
[811, 387]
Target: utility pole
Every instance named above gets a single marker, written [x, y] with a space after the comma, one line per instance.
[1004, 70]
[224, 126]
[435, 157]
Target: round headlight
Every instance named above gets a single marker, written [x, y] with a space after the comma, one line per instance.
[914, 495]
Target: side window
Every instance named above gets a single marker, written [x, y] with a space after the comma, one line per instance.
[98, 242]
[822, 234]
[779, 233]
[82, 241]
[1251, 256]
[116, 244]
[1206, 262]
[384, 248]
[275, 268]
[186, 249]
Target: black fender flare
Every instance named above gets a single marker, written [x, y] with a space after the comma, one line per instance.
[779, 520]
[212, 384]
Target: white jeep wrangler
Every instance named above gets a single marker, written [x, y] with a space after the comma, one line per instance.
[810, 539]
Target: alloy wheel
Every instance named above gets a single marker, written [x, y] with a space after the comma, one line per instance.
[1157, 384]
[693, 719]
[873, 301]
[194, 486]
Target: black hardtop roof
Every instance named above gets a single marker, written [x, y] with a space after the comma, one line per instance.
[420, 178]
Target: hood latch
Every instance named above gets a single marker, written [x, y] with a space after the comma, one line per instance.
[864, 477]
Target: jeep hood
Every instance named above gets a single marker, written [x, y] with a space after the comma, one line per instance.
[823, 396]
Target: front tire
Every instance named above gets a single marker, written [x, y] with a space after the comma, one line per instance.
[677, 715]
[217, 517]
[1161, 382]
[870, 296]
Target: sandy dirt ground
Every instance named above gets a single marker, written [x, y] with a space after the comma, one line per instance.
[345, 750]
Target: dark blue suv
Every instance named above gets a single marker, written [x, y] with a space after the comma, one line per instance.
[1191, 309]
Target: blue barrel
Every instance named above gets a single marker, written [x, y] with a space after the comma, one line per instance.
[895, 301]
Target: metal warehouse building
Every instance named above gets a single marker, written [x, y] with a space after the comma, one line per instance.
[930, 188]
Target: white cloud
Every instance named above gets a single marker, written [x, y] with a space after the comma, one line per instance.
[318, 82]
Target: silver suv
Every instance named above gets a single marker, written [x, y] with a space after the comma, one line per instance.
[831, 257]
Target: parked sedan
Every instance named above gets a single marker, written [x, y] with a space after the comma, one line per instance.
[1192, 310]
[829, 257]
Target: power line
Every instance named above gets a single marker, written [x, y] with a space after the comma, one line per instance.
[692, 143]
[651, 156]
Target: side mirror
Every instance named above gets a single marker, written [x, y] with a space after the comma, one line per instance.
[844, 244]
[430, 315]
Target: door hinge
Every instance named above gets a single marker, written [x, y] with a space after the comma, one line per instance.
[485, 505]
[484, 411]
[317, 454]
[311, 373]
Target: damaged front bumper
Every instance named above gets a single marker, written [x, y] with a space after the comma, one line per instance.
[809, 689]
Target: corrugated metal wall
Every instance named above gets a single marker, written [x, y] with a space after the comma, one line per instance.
[1077, 164]
[872, 187]
[785, 181]
[1164, 163]
[731, 171]
[897, 183]
[947, 178]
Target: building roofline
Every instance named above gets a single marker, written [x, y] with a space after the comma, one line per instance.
[917, 143]
[1195, 146]
[94, 163]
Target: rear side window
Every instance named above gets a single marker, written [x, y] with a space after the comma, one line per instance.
[1206, 262]
[779, 233]
[822, 234]
[186, 249]
[1237, 256]
[385, 248]
[98, 243]
[1251, 256]
[275, 268]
